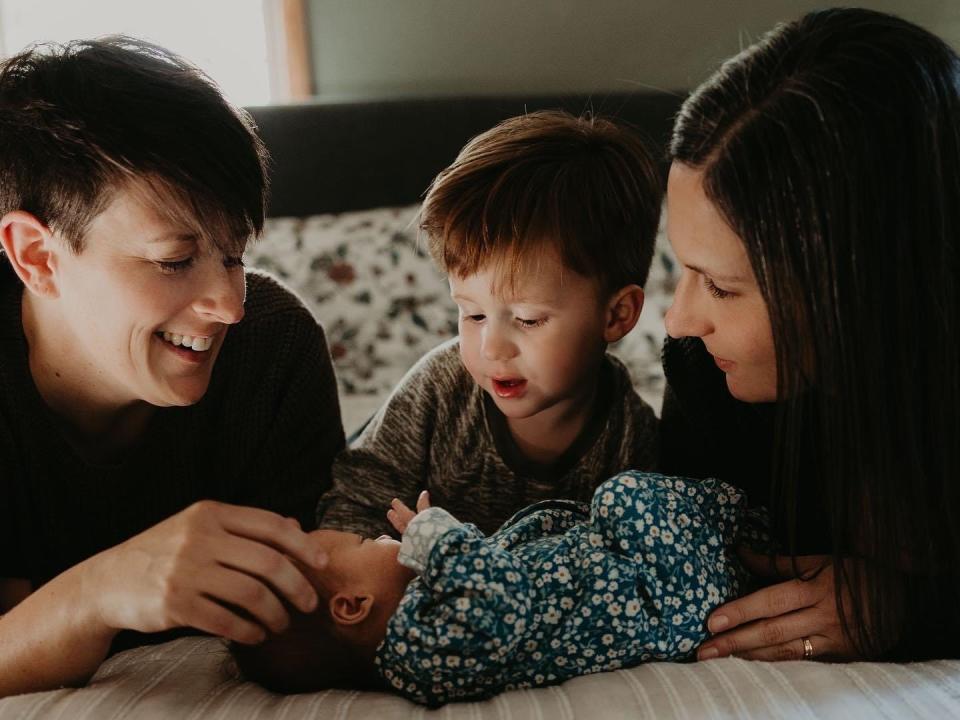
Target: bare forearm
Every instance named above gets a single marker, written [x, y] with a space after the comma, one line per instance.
[52, 638]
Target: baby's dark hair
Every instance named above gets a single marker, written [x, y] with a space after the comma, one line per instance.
[310, 655]
[584, 185]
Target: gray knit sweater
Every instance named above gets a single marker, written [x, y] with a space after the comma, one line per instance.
[441, 432]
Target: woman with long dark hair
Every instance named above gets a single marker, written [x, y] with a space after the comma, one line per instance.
[814, 204]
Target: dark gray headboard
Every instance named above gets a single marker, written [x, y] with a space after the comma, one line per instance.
[337, 156]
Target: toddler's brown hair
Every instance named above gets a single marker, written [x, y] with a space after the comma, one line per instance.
[584, 185]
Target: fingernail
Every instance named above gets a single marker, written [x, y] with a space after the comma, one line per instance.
[708, 653]
[718, 623]
[311, 604]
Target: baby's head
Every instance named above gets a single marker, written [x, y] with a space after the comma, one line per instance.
[334, 646]
[545, 226]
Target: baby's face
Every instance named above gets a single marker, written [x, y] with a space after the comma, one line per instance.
[360, 564]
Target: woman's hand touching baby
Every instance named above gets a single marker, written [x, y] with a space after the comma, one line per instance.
[400, 515]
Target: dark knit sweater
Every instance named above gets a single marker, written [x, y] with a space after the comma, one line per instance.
[264, 435]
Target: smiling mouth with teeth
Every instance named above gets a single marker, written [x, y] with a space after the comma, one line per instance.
[188, 342]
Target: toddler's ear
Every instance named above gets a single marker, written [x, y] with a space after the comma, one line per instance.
[623, 311]
[31, 248]
[350, 609]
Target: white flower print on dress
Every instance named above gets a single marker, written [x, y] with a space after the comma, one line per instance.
[564, 589]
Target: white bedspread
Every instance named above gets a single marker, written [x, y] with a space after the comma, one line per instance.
[191, 678]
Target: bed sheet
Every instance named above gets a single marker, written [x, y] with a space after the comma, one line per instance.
[194, 678]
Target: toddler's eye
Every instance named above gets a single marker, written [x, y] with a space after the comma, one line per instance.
[531, 323]
[475, 318]
[169, 267]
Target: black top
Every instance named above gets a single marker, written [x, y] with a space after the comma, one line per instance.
[706, 432]
[264, 435]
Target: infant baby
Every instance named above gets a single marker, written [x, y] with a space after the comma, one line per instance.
[561, 589]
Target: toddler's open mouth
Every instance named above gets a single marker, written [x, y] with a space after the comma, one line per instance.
[509, 387]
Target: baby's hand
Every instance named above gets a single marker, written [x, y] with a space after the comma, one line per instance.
[400, 515]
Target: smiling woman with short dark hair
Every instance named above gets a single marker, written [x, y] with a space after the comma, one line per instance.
[167, 419]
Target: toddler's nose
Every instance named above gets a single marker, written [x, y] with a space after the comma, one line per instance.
[497, 346]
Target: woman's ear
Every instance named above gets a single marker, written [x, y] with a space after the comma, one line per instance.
[623, 311]
[349, 609]
[32, 249]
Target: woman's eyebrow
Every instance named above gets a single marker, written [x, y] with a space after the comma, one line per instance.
[717, 276]
[174, 237]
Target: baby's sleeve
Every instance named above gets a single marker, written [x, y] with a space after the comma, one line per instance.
[455, 632]
[422, 534]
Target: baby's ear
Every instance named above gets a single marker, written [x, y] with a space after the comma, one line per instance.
[350, 609]
[623, 311]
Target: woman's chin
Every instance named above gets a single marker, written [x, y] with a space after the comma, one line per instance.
[181, 394]
[750, 393]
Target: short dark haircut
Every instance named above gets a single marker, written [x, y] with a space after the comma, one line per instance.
[584, 185]
[832, 148]
[82, 120]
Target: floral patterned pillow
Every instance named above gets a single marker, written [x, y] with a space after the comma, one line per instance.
[383, 304]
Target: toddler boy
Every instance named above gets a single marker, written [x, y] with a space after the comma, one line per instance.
[545, 226]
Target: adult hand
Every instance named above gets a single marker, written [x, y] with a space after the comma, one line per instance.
[400, 515]
[219, 568]
[772, 623]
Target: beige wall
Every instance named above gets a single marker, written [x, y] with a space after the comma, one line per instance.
[376, 48]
